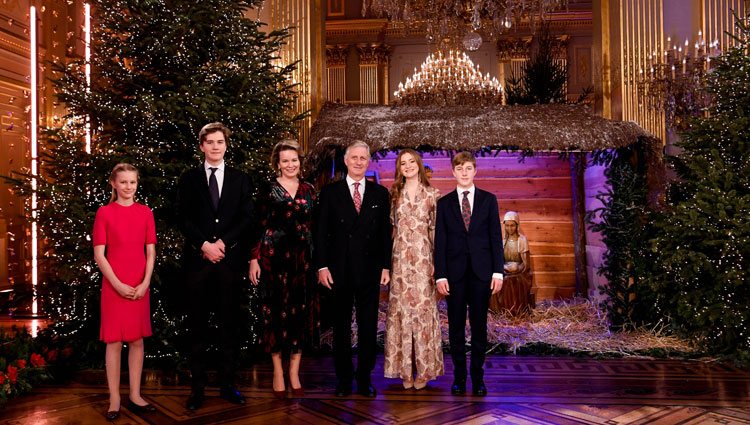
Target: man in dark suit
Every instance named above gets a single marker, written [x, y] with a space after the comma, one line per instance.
[468, 266]
[353, 255]
[215, 207]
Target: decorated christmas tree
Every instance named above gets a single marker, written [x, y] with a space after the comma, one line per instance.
[703, 241]
[543, 78]
[160, 71]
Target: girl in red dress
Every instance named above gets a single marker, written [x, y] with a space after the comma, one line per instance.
[124, 239]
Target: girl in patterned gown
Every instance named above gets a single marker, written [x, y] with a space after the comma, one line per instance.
[413, 342]
[280, 265]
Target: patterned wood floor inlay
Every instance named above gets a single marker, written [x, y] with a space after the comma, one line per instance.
[522, 390]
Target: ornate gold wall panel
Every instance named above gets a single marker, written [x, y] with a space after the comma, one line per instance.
[336, 72]
[642, 34]
[373, 72]
[306, 46]
[718, 20]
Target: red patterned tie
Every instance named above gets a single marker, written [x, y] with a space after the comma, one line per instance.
[357, 197]
[466, 210]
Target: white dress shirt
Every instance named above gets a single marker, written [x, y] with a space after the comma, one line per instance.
[219, 173]
[350, 183]
[461, 191]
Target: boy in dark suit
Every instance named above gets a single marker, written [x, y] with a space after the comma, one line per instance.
[353, 257]
[468, 267]
[215, 207]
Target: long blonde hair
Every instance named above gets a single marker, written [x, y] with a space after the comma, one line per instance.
[399, 180]
[123, 166]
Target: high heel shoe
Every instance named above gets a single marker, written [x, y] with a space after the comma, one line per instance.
[420, 383]
[408, 383]
[280, 395]
[298, 392]
[112, 415]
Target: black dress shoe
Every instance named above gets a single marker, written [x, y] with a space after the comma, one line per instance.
[479, 389]
[112, 415]
[137, 408]
[366, 390]
[458, 387]
[343, 390]
[195, 400]
[232, 395]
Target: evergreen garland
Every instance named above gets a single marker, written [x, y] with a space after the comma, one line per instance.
[624, 220]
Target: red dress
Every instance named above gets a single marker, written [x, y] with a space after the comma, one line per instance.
[125, 231]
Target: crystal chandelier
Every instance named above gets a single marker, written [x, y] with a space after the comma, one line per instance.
[675, 81]
[449, 79]
[461, 23]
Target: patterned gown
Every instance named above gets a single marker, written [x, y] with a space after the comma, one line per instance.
[286, 286]
[412, 324]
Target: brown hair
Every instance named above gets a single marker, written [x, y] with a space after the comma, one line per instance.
[213, 128]
[399, 180]
[284, 145]
[113, 176]
[462, 157]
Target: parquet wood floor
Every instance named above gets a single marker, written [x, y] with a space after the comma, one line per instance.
[522, 390]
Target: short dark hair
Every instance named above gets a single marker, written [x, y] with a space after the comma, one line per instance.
[213, 128]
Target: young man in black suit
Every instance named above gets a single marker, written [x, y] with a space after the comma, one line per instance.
[468, 267]
[353, 256]
[215, 207]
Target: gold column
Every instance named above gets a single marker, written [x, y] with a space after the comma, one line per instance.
[642, 35]
[336, 73]
[373, 72]
[306, 45]
[717, 20]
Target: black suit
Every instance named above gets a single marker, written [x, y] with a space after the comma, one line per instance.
[214, 287]
[355, 248]
[468, 259]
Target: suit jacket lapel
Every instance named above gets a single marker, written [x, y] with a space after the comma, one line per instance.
[202, 186]
[454, 206]
[346, 198]
[368, 200]
[478, 199]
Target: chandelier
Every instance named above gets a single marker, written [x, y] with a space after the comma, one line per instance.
[461, 23]
[447, 80]
[674, 81]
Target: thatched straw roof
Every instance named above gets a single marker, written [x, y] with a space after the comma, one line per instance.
[557, 127]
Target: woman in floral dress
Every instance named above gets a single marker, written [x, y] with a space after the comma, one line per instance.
[280, 265]
[413, 345]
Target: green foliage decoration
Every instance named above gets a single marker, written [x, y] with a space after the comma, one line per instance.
[160, 70]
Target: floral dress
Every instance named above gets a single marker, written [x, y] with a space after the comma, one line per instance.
[284, 252]
[412, 324]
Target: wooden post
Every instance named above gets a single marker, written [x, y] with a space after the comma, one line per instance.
[577, 170]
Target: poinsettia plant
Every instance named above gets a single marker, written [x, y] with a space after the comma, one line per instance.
[24, 361]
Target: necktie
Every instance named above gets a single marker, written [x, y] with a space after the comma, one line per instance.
[466, 210]
[357, 198]
[213, 187]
